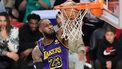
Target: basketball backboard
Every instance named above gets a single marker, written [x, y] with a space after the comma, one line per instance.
[47, 14]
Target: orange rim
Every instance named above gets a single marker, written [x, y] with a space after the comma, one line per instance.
[95, 7]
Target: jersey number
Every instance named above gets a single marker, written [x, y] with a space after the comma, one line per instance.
[55, 62]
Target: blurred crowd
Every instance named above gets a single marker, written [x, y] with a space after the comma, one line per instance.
[19, 33]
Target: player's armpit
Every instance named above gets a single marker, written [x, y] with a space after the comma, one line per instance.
[36, 54]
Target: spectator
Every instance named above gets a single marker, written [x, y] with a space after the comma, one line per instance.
[28, 35]
[14, 15]
[8, 43]
[21, 11]
[96, 37]
[32, 5]
[108, 49]
[9, 3]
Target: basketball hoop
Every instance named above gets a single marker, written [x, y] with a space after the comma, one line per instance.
[72, 17]
[72, 29]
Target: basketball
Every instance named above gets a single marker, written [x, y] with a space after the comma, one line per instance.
[70, 13]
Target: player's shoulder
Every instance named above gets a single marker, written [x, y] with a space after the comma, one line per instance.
[36, 48]
[40, 41]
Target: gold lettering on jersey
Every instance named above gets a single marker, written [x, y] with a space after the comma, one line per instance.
[51, 52]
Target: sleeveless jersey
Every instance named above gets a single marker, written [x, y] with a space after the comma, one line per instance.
[54, 56]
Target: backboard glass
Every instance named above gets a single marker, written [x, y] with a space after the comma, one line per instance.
[47, 14]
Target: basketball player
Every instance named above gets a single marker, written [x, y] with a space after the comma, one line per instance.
[51, 49]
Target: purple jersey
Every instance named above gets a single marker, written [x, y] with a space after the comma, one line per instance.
[54, 56]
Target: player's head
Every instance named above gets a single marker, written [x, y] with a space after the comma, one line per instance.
[110, 33]
[46, 28]
[33, 20]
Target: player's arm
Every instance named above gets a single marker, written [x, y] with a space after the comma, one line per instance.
[59, 30]
[59, 33]
[37, 60]
[36, 54]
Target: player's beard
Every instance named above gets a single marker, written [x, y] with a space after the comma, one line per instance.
[50, 35]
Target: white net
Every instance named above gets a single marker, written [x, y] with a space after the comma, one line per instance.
[72, 21]
[72, 28]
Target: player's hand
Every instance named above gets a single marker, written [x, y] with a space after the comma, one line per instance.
[59, 20]
[108, 64]
[12, 55]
